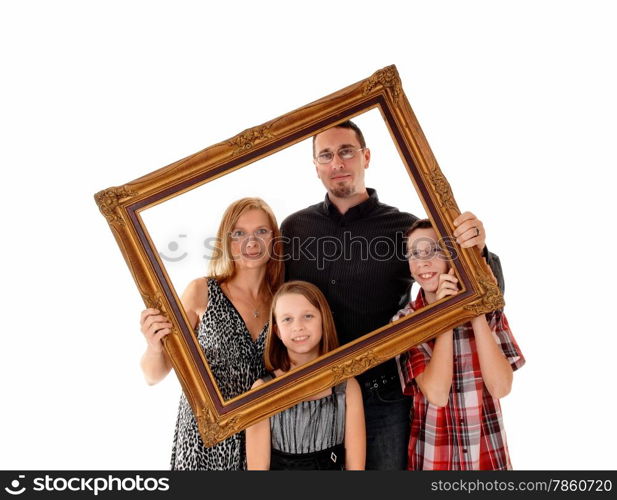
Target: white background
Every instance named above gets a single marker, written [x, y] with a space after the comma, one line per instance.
[517, 100]
[183, 229]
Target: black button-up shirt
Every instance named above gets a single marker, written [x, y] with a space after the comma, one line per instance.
[357, 260]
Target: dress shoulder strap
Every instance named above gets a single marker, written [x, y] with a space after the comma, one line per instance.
[267, 377]
[340, 388]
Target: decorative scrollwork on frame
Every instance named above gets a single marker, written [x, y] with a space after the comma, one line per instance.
[154, 301]
[212, 431]
[386, 77]
[248, 139]
[108, 201]
[355, 366]
[492, 298]
[442, 188]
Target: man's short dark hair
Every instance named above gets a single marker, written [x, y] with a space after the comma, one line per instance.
[419, 224]
[350, 125]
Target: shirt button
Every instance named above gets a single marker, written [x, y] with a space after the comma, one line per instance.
[333, 282]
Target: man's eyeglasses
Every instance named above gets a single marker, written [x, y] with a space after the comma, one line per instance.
[343, 154]
[239, 235]
[426, 253]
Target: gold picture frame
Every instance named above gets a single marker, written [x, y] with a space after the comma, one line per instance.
[218, 418]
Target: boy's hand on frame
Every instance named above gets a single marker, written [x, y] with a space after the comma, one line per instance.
[448, 285]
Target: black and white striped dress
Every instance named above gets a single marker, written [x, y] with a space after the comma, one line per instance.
[236, 361]
[311, 434]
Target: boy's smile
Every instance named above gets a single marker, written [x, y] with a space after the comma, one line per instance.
[426, 261]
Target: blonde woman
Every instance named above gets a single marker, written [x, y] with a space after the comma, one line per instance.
[228, 311]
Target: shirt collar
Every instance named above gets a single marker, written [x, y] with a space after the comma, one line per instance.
[355, 212]
[419, 301]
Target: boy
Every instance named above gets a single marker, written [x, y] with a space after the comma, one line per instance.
[457, 378]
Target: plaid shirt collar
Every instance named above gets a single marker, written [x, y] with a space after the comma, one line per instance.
[419, 302]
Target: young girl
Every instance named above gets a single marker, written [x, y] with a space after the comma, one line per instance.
[457, 378]
[325, 431]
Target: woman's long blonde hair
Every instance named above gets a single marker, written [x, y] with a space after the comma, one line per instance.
[222, 266]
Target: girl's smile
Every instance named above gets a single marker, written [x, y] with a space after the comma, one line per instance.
[299, 327]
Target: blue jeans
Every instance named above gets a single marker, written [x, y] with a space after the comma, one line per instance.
[387, 414]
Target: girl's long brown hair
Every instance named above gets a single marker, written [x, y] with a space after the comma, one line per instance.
[275, 353]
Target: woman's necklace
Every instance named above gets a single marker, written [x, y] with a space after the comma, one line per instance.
[256, 309]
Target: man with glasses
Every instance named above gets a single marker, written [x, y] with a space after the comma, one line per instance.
[338, 245]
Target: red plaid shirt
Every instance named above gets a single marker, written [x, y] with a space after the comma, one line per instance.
[467, 433]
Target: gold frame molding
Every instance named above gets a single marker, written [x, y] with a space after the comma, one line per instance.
[121, 206]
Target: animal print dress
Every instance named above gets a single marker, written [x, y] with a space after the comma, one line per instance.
[236, 361]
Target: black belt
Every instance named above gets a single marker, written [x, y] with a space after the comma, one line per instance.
[329, 459]
[386, 369]
[380, 381]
